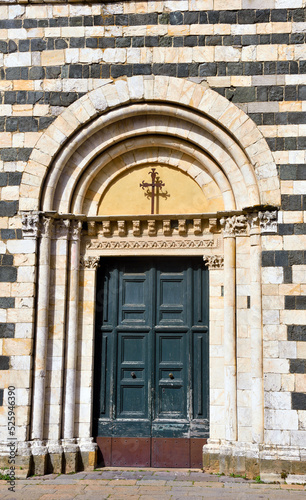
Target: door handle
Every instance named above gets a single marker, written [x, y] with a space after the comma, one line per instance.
[171, 375]
[133, 375]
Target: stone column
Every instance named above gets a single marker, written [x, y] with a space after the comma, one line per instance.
[85, 382]
[257, 394]
[263, 222]
[232, 226]
[70, 446]
[39, 451]
[56, 343]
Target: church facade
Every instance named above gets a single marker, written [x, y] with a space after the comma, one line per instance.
[153, 248]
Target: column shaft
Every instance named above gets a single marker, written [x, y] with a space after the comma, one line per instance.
[256, 340]
[41, 338]
[71, 336]
[230, 373]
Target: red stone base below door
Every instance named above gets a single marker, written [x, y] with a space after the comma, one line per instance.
[150, 452]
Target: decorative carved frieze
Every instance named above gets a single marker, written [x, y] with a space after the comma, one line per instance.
[89, 262]
[214, 261]
[268, 221]
[234, 226]
[149, 244]
[30, 225]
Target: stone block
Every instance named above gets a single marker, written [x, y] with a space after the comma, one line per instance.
[39, 464]
[70, 461]
[55, 463]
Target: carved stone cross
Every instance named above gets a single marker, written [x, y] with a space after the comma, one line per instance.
[156, 183]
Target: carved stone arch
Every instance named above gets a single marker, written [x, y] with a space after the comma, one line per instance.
[197, 115]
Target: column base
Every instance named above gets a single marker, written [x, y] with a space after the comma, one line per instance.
[55, 458]
[88, 454]
[269, 462]
[39, 458]
[52, 457]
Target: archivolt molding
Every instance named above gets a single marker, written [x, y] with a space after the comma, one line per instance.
[100, 125]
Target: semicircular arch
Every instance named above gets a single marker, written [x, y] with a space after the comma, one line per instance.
[159, 112]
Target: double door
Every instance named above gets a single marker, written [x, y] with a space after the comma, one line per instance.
[151, 362]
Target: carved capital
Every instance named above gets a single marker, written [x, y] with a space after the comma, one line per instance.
[46, 227]
[89, 262]
[268, 221]
[214, 261]
[30, 225]
[75, 230]
[253, 221]
[62, 229]
[234, 226]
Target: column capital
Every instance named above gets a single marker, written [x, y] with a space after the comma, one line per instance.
[236, 225]
[30, 224]
[46, 227]
[75, 230]
[62, 228]
[214, 262]
[268, 221]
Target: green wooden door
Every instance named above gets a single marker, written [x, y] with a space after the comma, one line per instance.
[151, 358]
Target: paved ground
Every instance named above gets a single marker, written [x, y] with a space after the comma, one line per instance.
[147, 484]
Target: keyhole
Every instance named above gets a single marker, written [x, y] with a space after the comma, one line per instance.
[133, 375]
[171, 375]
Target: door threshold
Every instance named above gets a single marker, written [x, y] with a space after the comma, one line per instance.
[186, 469]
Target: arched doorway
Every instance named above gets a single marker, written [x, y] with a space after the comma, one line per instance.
[183, 129]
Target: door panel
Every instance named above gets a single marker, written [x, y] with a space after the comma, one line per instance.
[171, 373]
[151, 361]
[132, 393]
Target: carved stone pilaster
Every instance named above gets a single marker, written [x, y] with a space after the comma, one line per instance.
[121, 227]
[234, 226]
[106, 228]
[75, 230]
[30, 225]
[167, 227]
[151, 228]
[268, 221]
[89, 262]
[136, 227]
[182, 228]
[62, 229]
[214, 261]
